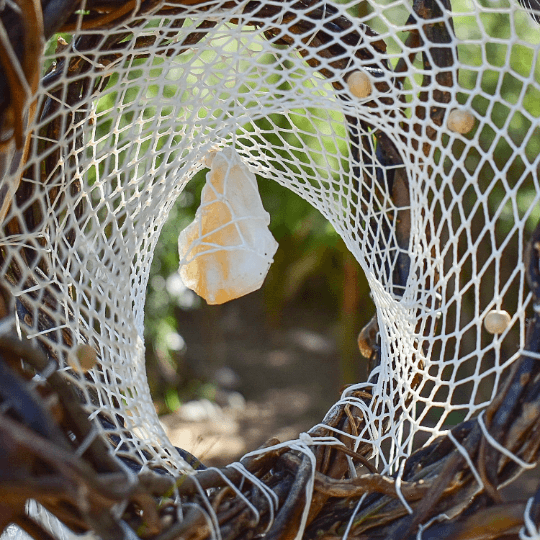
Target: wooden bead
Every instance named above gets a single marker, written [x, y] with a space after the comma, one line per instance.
[496, 322]
[359, 84]
[460, 121]
[86, 356]
[368, 337]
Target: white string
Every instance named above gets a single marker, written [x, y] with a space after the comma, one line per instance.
[37, 287]
[398, 488]
[314, 35]
[274, 499]
[178, 500]
[309, 488]
[302, 445]
[501, 448]
[97, 65]
[49, 369]
[210, 514]
[352, 468]
[423, 527]
[532, 354]
[268, 493]
[48, 331]
[365, 410]
[529, 531]
[350, 523]
[468, 459]
[238, 492]
[208, 518]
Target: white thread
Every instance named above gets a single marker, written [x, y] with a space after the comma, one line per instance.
[239, 493]
[501, 448]
[213, 522]
[397, 483]
[350, 523]
[37, 287]
[352, 468]
[531, 354]
[97, 65]
[269, 494]
[207, 517]
[303, 444]
[261, 485]
[49, 369]
[46, 331]
[300, 446]
[423, 527]
[306, 439]
[314, 35]
[529, 531]
[468, 459]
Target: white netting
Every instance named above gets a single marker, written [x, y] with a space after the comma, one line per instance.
[126, 117]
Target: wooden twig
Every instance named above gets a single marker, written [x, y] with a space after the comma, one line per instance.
[370, 483]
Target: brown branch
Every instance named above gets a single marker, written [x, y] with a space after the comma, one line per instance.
[370, 483]
[107, 489]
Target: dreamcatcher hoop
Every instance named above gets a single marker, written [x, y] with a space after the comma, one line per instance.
[92, 159]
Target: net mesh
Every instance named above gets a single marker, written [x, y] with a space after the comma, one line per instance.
[427, 168]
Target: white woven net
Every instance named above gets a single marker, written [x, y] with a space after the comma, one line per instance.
[432, 215]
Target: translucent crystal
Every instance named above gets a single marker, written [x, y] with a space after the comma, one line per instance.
[227, 250]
